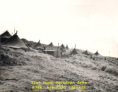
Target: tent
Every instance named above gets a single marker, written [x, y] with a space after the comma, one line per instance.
[74, 51]
[38, 46]
[62, 46]
[96, 53]
[51, 44]
[86, 52]
[15, 41]
[5, 36]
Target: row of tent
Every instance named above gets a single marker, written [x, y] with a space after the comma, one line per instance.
[12, 41]
[39, 45]
[15, 41]
[8, 39]
[74, 51]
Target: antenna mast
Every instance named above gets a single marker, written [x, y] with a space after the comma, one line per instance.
[75, 46]
[109, 53]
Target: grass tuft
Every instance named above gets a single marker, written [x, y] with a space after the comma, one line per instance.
[113, 71]
[103, 68]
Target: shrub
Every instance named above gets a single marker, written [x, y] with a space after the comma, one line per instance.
[94, 68]
[113, 71]
[7, 60]
[26, 49]
[103, 68]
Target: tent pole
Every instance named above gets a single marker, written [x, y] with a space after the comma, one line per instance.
[0, 47]
[14, 30]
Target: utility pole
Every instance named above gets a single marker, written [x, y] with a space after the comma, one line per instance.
[58, 45]
[109, 53]
[57, 49]
[75, 46]
[39, 41]
[16, 32]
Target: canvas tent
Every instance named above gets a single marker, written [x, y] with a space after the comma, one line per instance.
[74, 51]
[38, 45]
[51, 44]
[86, 52]
[62, 46]
[96, 53]
[5, 36]
[15, 41]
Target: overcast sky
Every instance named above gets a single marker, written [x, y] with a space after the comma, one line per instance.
[90, 24]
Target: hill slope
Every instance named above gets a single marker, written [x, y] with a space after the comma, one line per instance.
[20, 67]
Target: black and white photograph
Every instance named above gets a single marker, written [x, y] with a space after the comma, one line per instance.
[58, 45]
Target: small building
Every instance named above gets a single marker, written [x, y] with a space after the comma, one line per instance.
[40, 48]
[55, 53]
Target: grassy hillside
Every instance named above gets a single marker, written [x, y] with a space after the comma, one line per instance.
[18, 67]
[31, 43]
[28, 43]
